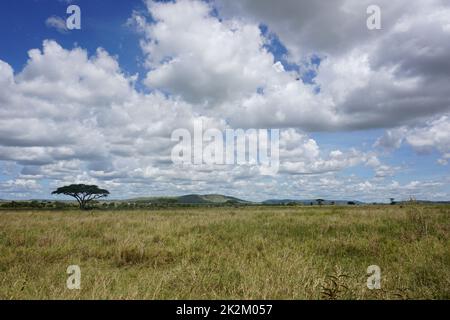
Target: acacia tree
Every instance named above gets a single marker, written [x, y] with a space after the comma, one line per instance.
[320, 201]
[82, 193]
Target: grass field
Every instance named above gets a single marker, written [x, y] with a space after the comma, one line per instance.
[215, 253]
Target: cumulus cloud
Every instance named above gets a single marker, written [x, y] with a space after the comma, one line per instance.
[433, 135]
[392, 139]
[201, 59]
[70, 117]
[222, 62]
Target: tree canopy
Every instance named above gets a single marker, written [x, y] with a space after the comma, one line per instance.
[320, 201]
[82, 193]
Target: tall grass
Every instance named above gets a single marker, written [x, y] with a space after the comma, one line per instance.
[230, 253]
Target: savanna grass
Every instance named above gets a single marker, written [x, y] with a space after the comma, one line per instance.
[227, 253]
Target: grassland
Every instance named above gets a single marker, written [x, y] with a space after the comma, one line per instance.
[229, 253]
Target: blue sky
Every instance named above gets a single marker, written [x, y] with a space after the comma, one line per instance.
[339, 89]
[23, 27]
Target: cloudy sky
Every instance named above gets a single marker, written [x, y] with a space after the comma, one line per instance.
[363, 114]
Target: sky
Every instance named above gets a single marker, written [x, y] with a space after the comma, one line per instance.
[363, 113]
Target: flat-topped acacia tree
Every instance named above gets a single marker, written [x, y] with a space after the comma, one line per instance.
[83, 193]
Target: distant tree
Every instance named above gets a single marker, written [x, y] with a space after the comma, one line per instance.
[82, 193]
[392, 201]
[35, 204]
[320, 201]
[59, 205]
[351, 203]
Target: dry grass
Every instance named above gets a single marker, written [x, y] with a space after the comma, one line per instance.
[248, 253]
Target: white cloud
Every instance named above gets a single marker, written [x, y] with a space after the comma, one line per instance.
[58, 23]
[392, 139]
[433, 135]
[223, 64]
[68, 116]
[203, 60]
[85, 120]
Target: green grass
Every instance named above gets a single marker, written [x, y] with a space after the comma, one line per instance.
[227, 253]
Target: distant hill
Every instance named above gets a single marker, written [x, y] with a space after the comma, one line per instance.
[222, 199]
[151, 199]
[423, 202]
[191, 199]
[209, 198]
[218, 199]
[308, 202]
